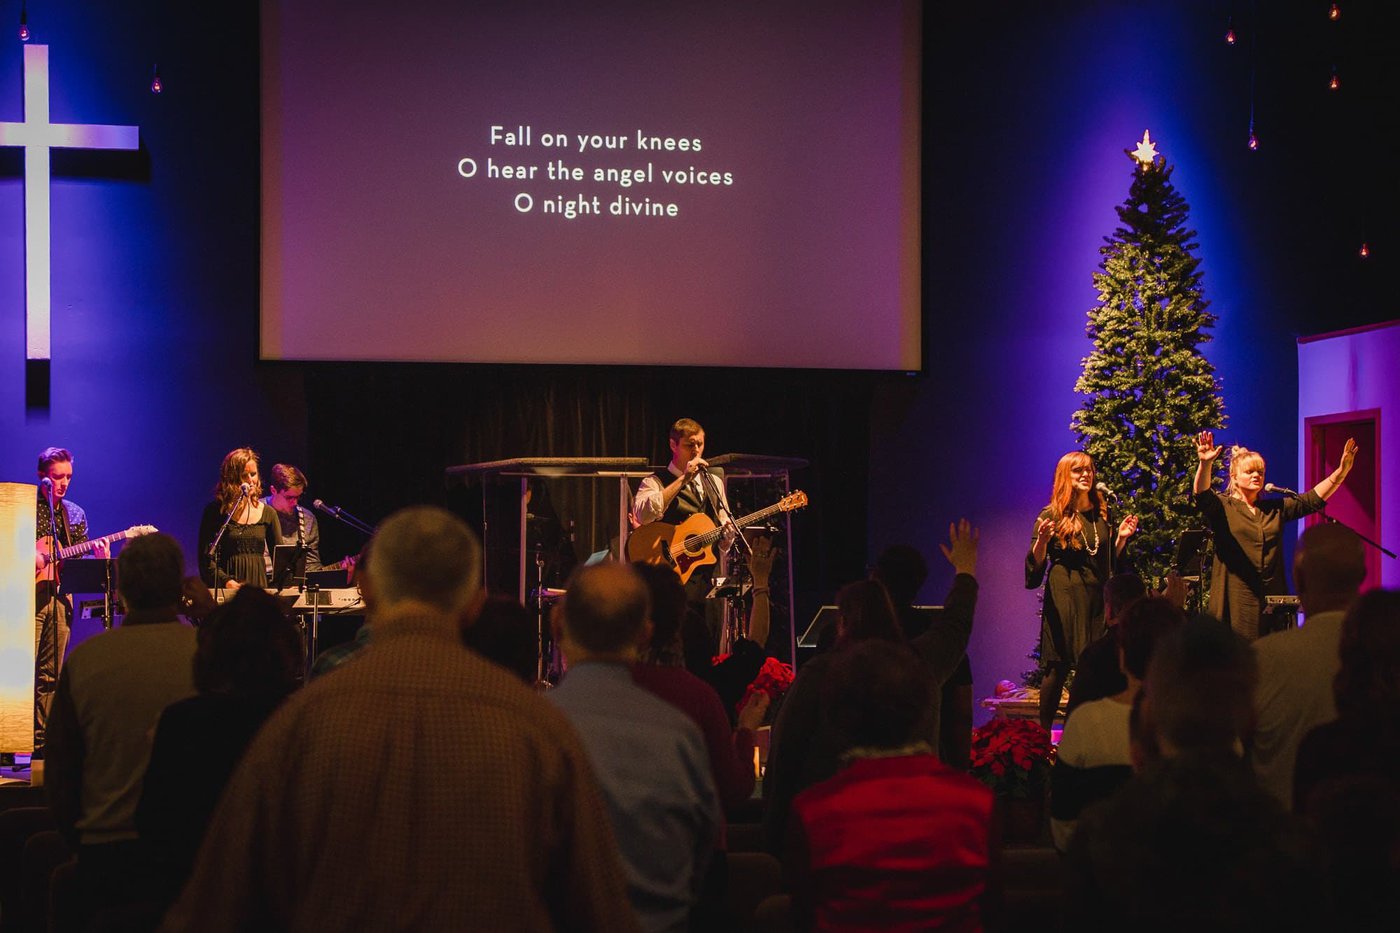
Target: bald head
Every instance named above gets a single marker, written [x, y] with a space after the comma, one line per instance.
[605, 609]
[427, 555]
[1328, 568]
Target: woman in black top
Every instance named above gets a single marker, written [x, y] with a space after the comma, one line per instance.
[1248, 531]
[252, 533]
[1072, 538]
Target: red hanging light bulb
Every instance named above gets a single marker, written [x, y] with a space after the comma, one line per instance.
[1334, 12]
[1365, 251]
[24, 22]
[1230, 37]
[156, 85]
[1253, 142]
[1334, 82]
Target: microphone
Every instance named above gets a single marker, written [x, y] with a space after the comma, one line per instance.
[1105, 491]
[45, 483]
[320, 506]
[342, 515]
[1281, 490]
[246, 489]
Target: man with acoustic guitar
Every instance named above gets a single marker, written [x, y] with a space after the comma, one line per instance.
[60, 523]
[680, 491]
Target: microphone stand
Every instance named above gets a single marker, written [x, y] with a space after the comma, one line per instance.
[213, 553]
[1283, 491]
[1375, 544]
[726, 519]
[345, 517]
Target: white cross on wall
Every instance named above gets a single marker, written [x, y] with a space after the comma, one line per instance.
[37, 135]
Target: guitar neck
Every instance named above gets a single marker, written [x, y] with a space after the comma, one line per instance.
[710, 537]
[86, 547]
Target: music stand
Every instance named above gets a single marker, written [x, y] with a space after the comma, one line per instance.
[1189, 548]
[288, 566]
[91, 575]
[825, 617]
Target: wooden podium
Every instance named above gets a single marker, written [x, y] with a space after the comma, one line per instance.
[17, 535]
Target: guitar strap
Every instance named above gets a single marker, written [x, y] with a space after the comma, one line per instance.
[63, 534]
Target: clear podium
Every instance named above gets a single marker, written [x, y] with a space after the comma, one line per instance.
[542, 516]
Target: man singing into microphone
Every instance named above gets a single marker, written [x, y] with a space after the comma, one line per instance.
[59, 523]
[674, 494]
[244, 528]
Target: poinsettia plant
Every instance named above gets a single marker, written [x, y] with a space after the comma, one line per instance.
[774, 678]
[1012, 756]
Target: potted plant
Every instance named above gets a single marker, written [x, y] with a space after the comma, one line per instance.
[1013, 758]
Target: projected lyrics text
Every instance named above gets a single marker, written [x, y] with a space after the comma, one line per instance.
[550, 184]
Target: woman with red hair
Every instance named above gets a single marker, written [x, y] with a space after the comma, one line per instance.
[1071, 539]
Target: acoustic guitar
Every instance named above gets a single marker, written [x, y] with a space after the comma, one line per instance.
[43, 546]
[690, 545]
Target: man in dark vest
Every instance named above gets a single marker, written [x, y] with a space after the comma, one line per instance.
[674, 494]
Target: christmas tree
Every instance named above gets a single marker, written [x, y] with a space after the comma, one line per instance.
[1148, 388]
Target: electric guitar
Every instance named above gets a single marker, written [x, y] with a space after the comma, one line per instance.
[690, 544]
[49, 570]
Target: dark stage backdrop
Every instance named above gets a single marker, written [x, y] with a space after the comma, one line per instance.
[379, 436]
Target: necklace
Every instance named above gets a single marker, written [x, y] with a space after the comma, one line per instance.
[1093, 549]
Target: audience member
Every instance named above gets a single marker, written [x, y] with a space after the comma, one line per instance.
[649, 756]
[1365, 736]
[1346, 781]
[1297, 666]
[247, 661]
[419, 787]
[730, 751]
[1094, 757]
[1098, 674]
[732, 673]
[1192, 842]
[903, 570]
[807, 740]
[504, 633]
[896, 840]
[110, 695]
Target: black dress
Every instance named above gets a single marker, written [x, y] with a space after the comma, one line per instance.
[1249, 553]
[241, 550]
[1072, 615]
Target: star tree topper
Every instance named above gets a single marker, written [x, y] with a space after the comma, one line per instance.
[1146, 151]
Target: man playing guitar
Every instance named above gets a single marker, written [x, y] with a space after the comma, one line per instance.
[59, 523]
[679, 491]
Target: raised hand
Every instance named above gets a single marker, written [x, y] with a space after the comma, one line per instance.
[1127, 527]
[1205, 446]
[761, 558]
[1349, 455]
[1044, 529]
[961, 549]
[752, 713]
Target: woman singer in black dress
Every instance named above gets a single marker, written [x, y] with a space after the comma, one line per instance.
[1071, 535]
[239, 559]
[1248, 531]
